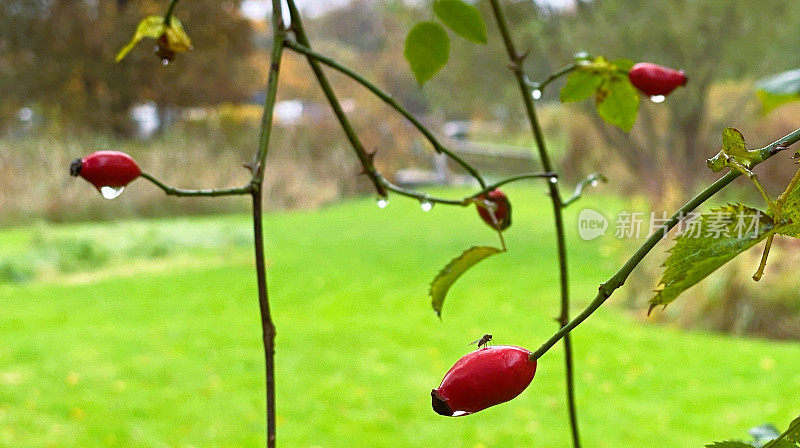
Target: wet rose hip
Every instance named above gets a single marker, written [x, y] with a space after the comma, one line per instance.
[502, 209]
[482, 379]
[654, 80]
[108, 171]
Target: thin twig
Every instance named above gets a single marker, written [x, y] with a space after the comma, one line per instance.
[389, 100]
[516, 60]
[592, 180]
[171, 191]
[170, 10]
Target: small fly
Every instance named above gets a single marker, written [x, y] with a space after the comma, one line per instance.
[483, 341]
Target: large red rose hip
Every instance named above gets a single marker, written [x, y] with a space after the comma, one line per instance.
[482, 379]
[654, 79]
[502, 209]
[108, 171]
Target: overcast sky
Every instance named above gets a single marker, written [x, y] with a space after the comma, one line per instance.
[258, 9]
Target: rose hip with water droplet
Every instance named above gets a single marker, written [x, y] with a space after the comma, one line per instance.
[484, 378]
[106, 169]
[502, 209]
[656, 80]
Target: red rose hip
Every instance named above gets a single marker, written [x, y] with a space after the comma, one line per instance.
[502, 209]
[108, 171]
[654, 79]
[484, 378]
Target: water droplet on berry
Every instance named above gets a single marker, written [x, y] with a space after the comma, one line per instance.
[536, 94]
[111, 192]
[594, 183]
[382, 203]
[459, 413]
[658, 98]
[426, 206]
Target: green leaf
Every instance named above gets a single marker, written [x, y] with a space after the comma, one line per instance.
[427, 50]
[719, 237]
[786, 83]
[791, 211]
[618, 102]
[792, 434]
[151, 26]
[463, 18]
[450, 273]
[770, 101]
[729, 444]
[782, 443]
[623, 65]
[581, 85]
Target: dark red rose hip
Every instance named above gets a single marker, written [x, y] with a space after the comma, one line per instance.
[484, 378]
[502, 209]
[108, 171]
[654, 79]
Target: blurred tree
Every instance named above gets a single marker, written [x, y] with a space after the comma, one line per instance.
[59, 56]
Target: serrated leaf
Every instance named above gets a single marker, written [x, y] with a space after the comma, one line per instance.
[427, 50]
[723, 234]
[581, 85]
[792, 434]
[782, 443]
[450, 273]
[151, 26]
[770, 101]
[463, 18]
[618, 102]
[729, 444]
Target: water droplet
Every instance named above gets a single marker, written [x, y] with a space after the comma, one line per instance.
[426, 206]
[658, 98]
[553, 180]
[111, 192]
[536, 94]
[459, 413]
[594, 183]
[382, 203]
[165, 61]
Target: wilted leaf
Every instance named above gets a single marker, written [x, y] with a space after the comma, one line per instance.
[427, 50]
[618, 102]
[723, 234]
[151, 26]
[463, 18]
[176, 36]
[450, 273]
[581, 85]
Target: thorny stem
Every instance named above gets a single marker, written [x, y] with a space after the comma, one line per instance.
[618, 279]
[555, 195]
[389, 100]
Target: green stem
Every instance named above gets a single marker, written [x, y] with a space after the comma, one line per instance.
[170, 10]
[555, 195]
[618, 279]
[364, 157]
[389, 100]
[561, 72]
[171, 191]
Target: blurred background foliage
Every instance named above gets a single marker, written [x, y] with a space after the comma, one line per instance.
[63, 97]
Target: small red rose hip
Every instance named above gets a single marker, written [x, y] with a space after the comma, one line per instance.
[108, 171]
[655, 80]
[502, 209]
[482, 379]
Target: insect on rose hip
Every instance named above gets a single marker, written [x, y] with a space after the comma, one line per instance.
[108, 171]
[501, 208]
[656, 80]
[484, 378]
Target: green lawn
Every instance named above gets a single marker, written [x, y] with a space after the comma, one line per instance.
[157, 344]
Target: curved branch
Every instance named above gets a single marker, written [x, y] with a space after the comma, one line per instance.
[390, 101]
[617, 280]
[592, 180]
[171, 191]
[561, 72]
